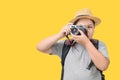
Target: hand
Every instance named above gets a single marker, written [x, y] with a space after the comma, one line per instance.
[81, 39]
[65, 30]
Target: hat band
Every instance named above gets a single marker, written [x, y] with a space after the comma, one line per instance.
[82, 15]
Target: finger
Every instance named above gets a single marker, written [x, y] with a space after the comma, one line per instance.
[67, 27]
[74, 36]
[70, 23]
[65, 32]
[80, 31]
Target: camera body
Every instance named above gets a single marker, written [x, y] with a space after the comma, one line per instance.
[75, 29]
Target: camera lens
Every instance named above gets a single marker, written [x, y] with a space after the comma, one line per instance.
[75, 31]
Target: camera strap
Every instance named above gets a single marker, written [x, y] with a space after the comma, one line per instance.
[69, 41]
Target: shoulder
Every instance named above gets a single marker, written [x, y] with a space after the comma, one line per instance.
[103, 49]
[101, 44]
[60, 42]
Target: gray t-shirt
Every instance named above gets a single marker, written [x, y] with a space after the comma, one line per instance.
[77, 61]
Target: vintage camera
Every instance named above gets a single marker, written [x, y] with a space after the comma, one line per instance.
[75, 29]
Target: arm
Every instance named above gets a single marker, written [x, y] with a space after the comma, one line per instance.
[46, 44]
[98, 59]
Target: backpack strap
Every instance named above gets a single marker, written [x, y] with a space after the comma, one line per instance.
[65, 51]
[96, 44]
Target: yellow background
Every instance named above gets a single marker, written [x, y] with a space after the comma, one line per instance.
[23, 23]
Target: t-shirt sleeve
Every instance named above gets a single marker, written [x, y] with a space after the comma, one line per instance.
[57, 48]
[103, 49]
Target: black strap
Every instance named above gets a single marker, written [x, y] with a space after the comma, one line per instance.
[65, 50]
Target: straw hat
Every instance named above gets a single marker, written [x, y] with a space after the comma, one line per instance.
[86, 13]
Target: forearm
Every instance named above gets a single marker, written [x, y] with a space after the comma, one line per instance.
[98, 59]
[46, 44]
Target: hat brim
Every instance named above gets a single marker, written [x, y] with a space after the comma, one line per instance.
[95, 19]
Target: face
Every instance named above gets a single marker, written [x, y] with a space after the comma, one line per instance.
[89, 26]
